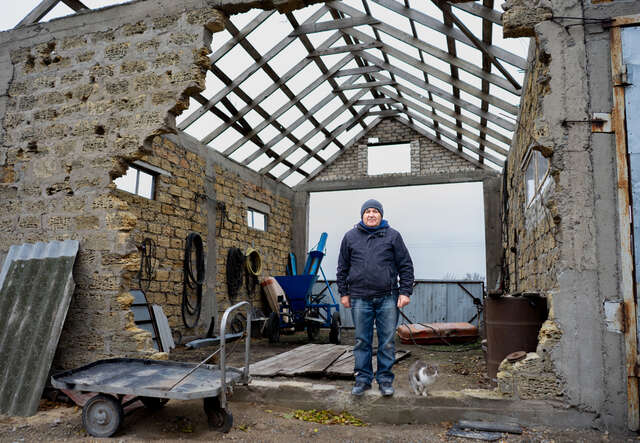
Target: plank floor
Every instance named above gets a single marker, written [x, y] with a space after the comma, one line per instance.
[312, 360]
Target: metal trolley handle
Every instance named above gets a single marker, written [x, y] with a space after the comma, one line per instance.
[223, 353]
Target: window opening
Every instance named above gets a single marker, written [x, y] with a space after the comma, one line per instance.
[256, 219]
[137, 181]
[535, 174]
[388, 159]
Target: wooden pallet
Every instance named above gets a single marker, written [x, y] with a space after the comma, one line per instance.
[312, 360]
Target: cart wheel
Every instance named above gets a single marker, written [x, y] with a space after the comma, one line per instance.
[153, 403]
[272, 328]
[102, 415]
[335, 333]
[219, 419]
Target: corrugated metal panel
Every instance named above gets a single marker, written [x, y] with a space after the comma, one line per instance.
[36, 285]
[432, 301]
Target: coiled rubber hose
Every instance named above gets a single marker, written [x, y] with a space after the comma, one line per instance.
[192, 282]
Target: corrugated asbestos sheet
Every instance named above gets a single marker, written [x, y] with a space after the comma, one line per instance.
[431, 302]
[36, 285]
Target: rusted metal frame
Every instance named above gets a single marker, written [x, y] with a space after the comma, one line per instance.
[627, 20]
[365, 85]
[318, 60]
[414, 34]
[314, 131]
[446, 123]
[275, 78]
[361, 70]
[334, 135]
[487, 38]
[342, 49]
[284, 108]
[334, 24]
[487, 13]
[445, 145]
[451, 47]
[434, 24]
[244, 32]
[282, 44]
[446, 111]
[497, 102]
[439, 92]
[276, 85]
[262, 112]
[625, 227]
[333, 158]
[432, 50]
[476, 41]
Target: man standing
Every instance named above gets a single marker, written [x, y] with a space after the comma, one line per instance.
[372, 257]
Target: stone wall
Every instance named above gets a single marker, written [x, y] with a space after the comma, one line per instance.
[427, 157]
[84, 96]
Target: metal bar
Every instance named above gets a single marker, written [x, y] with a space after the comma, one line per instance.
[333, 24]
[625, 247]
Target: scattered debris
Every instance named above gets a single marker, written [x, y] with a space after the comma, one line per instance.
[326, 417]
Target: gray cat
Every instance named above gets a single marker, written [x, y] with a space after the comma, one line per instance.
[421, 375]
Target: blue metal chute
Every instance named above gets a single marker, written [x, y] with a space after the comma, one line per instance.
[314, 257]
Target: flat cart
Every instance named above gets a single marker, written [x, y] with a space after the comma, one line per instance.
[156, 382]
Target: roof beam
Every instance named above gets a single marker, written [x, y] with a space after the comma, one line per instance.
[334, 135]
[433, 50]
[385, 113]
[333, 24]
[439, 92]
[456, 83]
[45, 6]
[342, 49]
[244, 32]
[446, 10]
[365, 85]
[354, 71]
[376, 101]
[482, 11]
[436, 25]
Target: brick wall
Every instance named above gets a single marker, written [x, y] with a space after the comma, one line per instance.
[427, 157]
[82, 100]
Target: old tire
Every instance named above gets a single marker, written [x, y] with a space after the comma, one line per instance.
[272, 329]
[219, 419]
[153, 403]
[335, 333]
[102, 415]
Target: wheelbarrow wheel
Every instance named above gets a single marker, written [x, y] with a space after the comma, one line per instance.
[153, 403]
[102, 415]
[335, 334]
[272, 328]
[219, 419]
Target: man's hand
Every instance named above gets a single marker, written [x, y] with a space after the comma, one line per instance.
[345, 301]
[403, 301]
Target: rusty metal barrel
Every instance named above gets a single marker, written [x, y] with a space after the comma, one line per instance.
[512, 324]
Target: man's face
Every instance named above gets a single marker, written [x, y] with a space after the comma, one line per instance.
[371, 217]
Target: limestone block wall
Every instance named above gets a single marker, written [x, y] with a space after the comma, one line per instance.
[80, 97]
[427, 157]
[232, 231]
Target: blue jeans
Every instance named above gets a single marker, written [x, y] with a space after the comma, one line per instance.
[383, 311]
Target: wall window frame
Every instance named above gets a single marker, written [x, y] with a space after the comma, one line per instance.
[404, 169]
[140, 179]
[536, 169]
[258, 214]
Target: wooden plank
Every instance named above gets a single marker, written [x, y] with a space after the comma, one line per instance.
[377, 101]
[341, 49]
[38, 12]
[365, 85]
[324, 358]
[334, 24]
[76, 5]
[250, 27]
[272, 365]
[488, 14]
[385, 113]
[355, 71]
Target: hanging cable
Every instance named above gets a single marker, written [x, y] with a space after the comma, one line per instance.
[192, 282]
[147, 264]
[235, 272]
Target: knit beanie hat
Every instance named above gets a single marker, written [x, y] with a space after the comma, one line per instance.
[371, 203]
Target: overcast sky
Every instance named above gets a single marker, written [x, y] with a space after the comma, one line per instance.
[442, 225]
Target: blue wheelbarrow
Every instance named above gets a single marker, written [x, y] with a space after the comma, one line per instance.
[301, 309]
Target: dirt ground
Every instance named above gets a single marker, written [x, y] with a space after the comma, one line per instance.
[459, 367]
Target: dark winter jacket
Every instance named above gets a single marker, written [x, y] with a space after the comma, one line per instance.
[370, 262]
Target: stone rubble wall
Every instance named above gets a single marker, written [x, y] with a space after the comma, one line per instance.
[85, 96]
[427, 157]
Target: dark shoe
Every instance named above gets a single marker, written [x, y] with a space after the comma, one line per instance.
[359, 388]
[386, 389]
